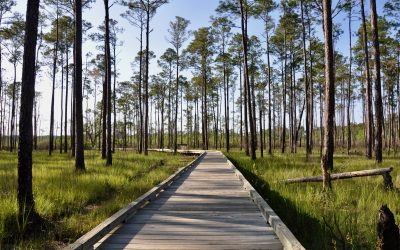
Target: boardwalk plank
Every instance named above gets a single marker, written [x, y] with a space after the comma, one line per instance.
[206, 208]
[194, 241]
[272, 245]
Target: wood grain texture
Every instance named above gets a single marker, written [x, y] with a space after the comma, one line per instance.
[206, 208]
[89, 239]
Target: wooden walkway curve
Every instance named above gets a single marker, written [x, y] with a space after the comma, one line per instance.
[206, 208]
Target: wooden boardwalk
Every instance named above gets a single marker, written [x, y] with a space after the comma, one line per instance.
[206, 208]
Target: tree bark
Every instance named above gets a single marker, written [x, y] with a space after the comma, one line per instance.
[62, 103]
[114, 92]
[51, 137]
[66, 100]
[73, 107]
[146, 84]
[243, 10]
[104, 121]
[368, 88]
[226, 97]
[79, 149]
[283, 139]
[26, 203]
[176, 103]
[13, 107]
[269, 99]
[140, 90]
[1, 97]
[329, 110]
[349, 85]
[108, 81]
[306, 85]
[35, 120]
[241, 103]
[377, 79]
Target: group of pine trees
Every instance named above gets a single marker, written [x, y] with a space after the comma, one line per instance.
[284, 90]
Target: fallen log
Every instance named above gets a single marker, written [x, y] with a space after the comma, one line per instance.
[385, 172]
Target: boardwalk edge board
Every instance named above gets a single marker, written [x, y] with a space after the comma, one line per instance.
[287, 238]
[93, 236]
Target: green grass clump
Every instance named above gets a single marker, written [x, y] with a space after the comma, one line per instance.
[71, 203]
[347, 216]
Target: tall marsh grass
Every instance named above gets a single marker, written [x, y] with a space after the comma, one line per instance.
[70, 202]
[345, 217]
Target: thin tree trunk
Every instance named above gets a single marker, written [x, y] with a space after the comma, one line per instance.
[246, 120]
[79, 154]
[35, 120]
[226, 98]
[108, 82]
[377, 79]
[51, 134]
[368, 88]
[73, 113]
[283, 143]
[13, 107]
[243, 10]
[66, 100]
[104, 121]
[114, 94]
[241, 105]
[176, 103]
[311, 84]
[349, 86]
[146, 84]
[61, 104]
[306, 85]
[1, 99]
[162, 119]
[269, 99]
[140, 90]
[261, 128]
[169, 106]
[327, 158]
[51, 137]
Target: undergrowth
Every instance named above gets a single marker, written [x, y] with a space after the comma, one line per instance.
[71, 203]
[344, 218]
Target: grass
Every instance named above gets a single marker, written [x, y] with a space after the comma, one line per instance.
[72, 203]
[345, 217]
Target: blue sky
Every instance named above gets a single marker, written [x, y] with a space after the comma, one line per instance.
[197, 11]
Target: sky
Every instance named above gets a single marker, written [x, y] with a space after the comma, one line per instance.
[197, 11]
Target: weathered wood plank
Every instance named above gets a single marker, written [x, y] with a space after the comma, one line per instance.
[193, 240]
[208, 207]
[242, 238]
[90, 238]
[182, 234]
[274, 245]
[198, 208]
[221, 223]
[287, 238]
[198, 214]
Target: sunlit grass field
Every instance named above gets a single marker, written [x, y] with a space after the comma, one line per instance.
[346, 216]
[71, 203]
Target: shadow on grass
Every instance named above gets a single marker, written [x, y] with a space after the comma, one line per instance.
[19, 232]
[307, 229]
